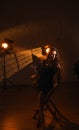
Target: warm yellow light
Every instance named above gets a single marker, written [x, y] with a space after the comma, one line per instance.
[4, 45]
[47, 50]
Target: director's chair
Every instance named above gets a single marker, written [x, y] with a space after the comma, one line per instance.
[48, 104]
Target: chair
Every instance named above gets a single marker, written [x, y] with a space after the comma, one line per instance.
[49, 105]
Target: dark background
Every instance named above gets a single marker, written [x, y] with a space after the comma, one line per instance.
[36, 23]
[19, 12]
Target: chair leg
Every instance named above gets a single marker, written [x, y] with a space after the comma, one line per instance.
[35, 114]
[40, 121]
[39, 114]
[56, 113]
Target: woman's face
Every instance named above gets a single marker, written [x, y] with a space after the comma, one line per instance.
[53, 54]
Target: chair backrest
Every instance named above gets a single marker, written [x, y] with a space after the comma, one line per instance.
[37, 63]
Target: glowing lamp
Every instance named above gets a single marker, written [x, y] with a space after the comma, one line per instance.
[47, 50]
[4, 45]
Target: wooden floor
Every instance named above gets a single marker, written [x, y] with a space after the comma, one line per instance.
[17, 104]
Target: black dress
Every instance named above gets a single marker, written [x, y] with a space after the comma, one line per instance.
[45, 80]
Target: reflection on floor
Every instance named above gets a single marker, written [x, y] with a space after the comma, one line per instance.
[17, 104]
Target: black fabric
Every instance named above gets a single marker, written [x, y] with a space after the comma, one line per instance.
[46, 72]
[45, 80]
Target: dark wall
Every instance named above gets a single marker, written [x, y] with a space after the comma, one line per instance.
[61, 33]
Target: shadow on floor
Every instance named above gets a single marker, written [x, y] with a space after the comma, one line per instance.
[68, 126]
